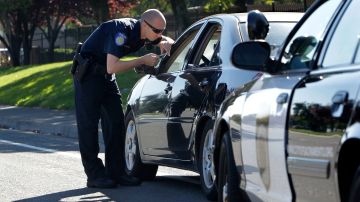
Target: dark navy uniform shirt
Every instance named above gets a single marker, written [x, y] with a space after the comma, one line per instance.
[118, 37]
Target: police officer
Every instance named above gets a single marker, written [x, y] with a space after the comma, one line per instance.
[97, 95]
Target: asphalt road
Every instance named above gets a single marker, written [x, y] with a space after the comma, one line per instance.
[37, 167]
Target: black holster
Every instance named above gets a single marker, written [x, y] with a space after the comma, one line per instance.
[80, 64]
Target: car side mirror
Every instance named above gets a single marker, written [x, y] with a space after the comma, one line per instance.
[251, 55]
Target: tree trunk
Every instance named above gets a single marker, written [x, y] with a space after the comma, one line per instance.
[29, 23]
[26, 45]
[241, 4]
[181, 15]
[51, 50]
[12, 40]
[15, 52]
[27, 51]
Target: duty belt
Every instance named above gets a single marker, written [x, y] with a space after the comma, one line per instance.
[99, 69]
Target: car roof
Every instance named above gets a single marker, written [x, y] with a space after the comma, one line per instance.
[271, 16]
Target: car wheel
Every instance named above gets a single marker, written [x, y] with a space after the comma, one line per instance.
[207, 167]
[223, 172]
[355, 187]
[133, 164]
[228, 180]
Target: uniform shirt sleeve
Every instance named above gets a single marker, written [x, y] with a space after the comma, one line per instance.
[115, 41]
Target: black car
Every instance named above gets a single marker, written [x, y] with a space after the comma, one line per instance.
[169, 115]
[293, 133]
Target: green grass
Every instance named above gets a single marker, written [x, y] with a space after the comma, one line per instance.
[48, 86]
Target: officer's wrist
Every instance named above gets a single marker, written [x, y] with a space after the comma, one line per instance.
[140, 61]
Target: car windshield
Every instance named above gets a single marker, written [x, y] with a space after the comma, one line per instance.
[277, 34]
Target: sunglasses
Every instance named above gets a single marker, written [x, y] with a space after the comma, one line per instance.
[155, 30]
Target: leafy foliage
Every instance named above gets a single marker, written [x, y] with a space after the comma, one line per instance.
[218, 5]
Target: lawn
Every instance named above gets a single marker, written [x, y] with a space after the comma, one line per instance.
[48, 85]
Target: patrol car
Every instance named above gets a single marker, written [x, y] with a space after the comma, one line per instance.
[293, 134]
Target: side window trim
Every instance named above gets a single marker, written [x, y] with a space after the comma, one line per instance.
[210, 25]
[356, 52]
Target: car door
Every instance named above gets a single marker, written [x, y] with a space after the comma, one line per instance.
[266, 107]
[154, 100]
[320, 111]
[191, 90]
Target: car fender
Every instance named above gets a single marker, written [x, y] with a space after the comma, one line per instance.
[345, 160]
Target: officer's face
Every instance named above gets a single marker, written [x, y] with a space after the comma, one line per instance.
[155, 28]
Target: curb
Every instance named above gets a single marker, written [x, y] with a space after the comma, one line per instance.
[41, 121]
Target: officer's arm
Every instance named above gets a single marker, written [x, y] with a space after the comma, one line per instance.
[114, 65]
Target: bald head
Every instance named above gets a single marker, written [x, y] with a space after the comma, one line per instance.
[154, 16]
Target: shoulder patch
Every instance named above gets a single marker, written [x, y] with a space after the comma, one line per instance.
[120, 39]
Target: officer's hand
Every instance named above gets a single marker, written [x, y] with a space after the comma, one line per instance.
[150, 59]
[165, 45]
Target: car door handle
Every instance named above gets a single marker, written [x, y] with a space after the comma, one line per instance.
[168, 89]
[282, 98]
[338, 101]
[340, 97]
[204, 83]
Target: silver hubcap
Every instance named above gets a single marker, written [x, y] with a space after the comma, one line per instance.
[207, 161]
[130, 145]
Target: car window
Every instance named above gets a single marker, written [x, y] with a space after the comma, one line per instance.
[207, 54]
[301, 48]
[177, 58]
[344, 42]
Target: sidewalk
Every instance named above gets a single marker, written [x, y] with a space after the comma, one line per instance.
[42, 121]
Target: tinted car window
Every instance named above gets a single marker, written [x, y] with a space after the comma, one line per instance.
[344, 42]
[177, 59]
[211, 46]
[207, 51]
[301, 48]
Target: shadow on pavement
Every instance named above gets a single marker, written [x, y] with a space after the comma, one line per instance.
[161, 189]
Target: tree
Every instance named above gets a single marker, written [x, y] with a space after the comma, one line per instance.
[103, 10]
[11, 20]
[178, 8]
[120, 8]
[220, 6]
[57, 12]
[54, 14]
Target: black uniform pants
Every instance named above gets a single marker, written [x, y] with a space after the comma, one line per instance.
[99, 98]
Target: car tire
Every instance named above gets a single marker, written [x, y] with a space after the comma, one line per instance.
[206, 163]
[355, 187]
[133, 165]
[228, 181]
